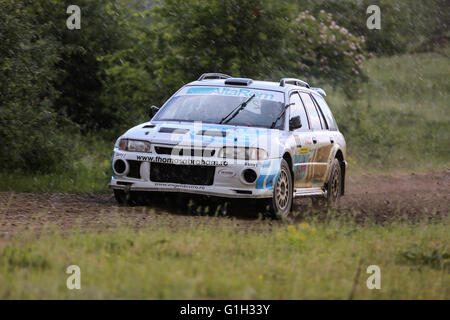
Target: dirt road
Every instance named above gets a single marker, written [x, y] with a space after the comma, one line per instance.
[376, 198]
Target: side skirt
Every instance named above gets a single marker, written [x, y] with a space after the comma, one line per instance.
[309, 192]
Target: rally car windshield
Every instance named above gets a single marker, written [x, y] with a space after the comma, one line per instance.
[212, 105]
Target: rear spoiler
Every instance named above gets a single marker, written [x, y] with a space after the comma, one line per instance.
[320, 91]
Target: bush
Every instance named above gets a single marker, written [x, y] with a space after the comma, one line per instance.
[405, 25]
[320, 48]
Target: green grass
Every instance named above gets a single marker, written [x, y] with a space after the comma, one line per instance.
[221, 261]
[89, 172]
[401, 119]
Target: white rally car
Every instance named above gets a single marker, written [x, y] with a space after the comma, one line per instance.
[236, 138]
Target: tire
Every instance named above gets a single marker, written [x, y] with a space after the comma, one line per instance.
[283, 193]
[334, 189]
[122, 198]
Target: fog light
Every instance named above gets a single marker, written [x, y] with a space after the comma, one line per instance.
[249, 175]
[120, 166]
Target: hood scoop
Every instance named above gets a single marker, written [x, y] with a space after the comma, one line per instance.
[212, 133]
[173, 130]
[148, 126]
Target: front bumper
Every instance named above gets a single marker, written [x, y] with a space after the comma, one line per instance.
[228, 178]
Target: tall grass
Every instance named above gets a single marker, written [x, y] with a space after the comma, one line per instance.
[90, 171]
[401, 119]
[221, 261]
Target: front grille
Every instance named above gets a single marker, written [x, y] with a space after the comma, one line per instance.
[135, 168]
[183, 174]
[207, 153]
[163, 150]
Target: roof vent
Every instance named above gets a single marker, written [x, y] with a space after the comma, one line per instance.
[238, 81]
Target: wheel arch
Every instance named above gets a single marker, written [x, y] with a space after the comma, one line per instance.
[288, 158]
[340, 156]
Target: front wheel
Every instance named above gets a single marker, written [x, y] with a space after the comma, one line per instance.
[122, 198]
[281, 203]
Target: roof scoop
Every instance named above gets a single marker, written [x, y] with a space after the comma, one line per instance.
[238, 81]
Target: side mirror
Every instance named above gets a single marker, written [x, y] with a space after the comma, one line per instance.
[295, 123]
[153, 111]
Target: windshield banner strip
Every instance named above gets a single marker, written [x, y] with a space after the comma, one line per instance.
[238, 92]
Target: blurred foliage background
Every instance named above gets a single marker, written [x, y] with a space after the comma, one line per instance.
[66, 95]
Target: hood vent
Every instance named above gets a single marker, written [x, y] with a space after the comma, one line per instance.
[148, 126]
[173, 130]
[212, 133]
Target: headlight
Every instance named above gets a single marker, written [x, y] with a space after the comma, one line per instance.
[134, 145]
[243, 153]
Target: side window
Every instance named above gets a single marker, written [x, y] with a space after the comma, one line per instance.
[312, 111]
[326, 112]
[321, 117]
[297, 109]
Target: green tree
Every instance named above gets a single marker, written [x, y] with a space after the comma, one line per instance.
[78, 70]
[186, 39]
[258, 38]
[29, 133]
[50, 78]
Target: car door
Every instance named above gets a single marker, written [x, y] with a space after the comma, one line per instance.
[320, 139]
[331, 132]
[302, 156]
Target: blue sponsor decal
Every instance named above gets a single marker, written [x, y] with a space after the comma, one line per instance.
[301, 164]
[202, 91]
[260, 94]
[276, 178]
[270, 172]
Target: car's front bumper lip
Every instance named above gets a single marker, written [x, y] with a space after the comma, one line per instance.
[225, 192]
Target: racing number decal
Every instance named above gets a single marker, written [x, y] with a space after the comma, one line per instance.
[303, 151]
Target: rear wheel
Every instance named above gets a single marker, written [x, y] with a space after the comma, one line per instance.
[334, 189]
[281, 203]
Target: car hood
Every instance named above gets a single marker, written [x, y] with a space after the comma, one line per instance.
[188, 133]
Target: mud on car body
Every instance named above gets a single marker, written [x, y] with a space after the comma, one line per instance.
[236, 138]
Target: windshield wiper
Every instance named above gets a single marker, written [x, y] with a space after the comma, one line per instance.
[280, 115]
[236, 110]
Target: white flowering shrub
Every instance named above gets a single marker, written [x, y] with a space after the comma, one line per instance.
[320, 48]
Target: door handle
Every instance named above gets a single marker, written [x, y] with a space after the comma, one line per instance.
[314, 140]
